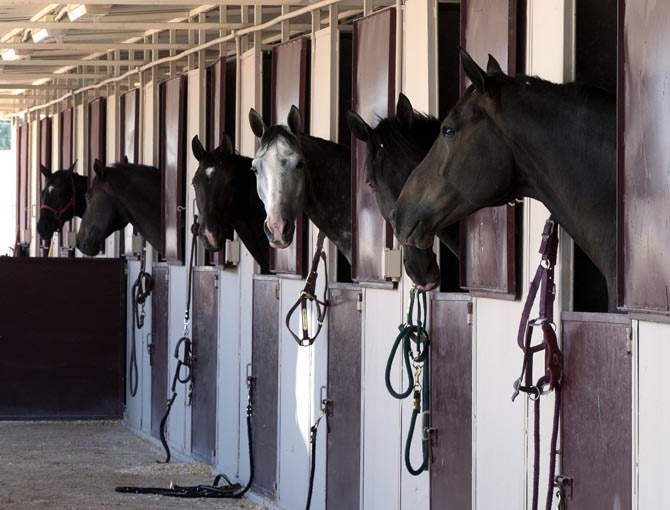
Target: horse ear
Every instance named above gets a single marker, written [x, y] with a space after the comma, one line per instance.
[404, 111]
[125, 160]
[294, 121]
[257, 123]
[73, 166]
[197, 148]
[98, 168]
[358, 127]
[46, 172]
[493, 67]
[227, 145]
[475, 74]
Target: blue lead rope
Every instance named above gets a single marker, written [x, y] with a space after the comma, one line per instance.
[416, 358]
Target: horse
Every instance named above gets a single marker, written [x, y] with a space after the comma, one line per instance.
[225, 191]
[395, 147]
[296, 172]
[122, 193]
[63, 198]
[511, 137]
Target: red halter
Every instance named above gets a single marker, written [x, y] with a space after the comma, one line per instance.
[72, 203]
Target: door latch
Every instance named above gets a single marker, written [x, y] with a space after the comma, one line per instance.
[563, 486]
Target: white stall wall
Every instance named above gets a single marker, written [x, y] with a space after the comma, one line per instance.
[81, 152]
[651, 444]
[55, 166]
[33, 179]
[112, 156]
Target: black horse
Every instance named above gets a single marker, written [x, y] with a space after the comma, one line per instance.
[298, 172]
[512, 137]
[63, 198]
[122, 193]
[395, 147]
[225, 191]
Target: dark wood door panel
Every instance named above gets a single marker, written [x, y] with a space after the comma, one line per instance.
[159, 349]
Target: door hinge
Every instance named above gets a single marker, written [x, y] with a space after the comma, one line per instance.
[216, 281]
[469, 318]
[359, 303]
[629, 340]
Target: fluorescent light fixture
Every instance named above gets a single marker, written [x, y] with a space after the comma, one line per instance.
[76, 12]
[40, 35]
[10, 54]
[17, 92]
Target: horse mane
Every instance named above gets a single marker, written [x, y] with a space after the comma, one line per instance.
[397, 140]
[565, 90]
[123, 166]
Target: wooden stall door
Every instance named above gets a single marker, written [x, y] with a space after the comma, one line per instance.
[644, 158]
[173, 168]
[129, 131]
[451, 402]
[373, 97]
[66, 158]
[488, 237]
[596, 419]
[158, 350]
[97, 135]
[55, 368]
[22, 199]
[44, 159]
[205, 333]
[290, 86]
[265, 367]
[343, 469]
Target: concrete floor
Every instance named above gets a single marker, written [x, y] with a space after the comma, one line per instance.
[76, 465]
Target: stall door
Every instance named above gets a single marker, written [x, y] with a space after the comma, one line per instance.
[451, 402]
[97, 134]
[265, 366]
[643, 156]
[62, 369]
[488, 237]
[343, 469]
[129, 139]
[173, 168]
[290, 80]
[596, 420]
[65, 132]
[22, 212]
[44, 159]
[373, 98]
[158, 349]
[205, 332]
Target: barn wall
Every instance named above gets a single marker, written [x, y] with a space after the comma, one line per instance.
[112, 156]
[33, 179]
[80, 151]
[55, 165]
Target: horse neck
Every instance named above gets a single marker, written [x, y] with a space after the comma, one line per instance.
[80, 187]
[140, 202]
[249, 222]
[328, 194]
[565, 152]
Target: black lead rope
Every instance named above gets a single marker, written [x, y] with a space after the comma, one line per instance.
[308, 293]
[141, 290]
[185, 340]
[229, 490]
[312, 439]
[419, 383]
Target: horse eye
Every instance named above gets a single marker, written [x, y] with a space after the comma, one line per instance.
[253, 169]
[448, 132]
[300, 164]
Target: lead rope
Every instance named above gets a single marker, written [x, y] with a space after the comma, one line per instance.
[185, 340]
[141, 290]
[418, 383]
[230, 490]
[325, 412]
[308, 293]
[553, 358]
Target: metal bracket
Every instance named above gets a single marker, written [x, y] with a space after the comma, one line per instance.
[469, 319]
[359, 303]
[232, 252]
[563, 486]
[392, 264]
[629, 340]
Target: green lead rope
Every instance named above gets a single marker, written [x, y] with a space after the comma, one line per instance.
[416, 358]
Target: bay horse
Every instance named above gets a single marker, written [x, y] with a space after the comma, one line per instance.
[122, 193]
[298, 173]
[394, 148]
[63, 198]
[511, 137]
[225, 191]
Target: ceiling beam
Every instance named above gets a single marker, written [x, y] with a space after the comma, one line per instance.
[111, 26]
[5, 86]
[31, 77]
[93, 46]
[169, 2]
[70, 62]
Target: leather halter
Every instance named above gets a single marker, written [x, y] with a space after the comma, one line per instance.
[72, 203]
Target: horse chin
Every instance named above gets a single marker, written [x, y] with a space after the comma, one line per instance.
[281, 244]
[428, 286]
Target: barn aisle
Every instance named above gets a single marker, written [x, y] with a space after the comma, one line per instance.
[76, 465]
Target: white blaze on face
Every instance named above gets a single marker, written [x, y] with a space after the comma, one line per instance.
[280, 185]
[209, 171]
[50, 189]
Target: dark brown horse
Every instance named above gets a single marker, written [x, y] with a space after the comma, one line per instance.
[225, 191]
[511, 137]
[395, 147]
[63, 198]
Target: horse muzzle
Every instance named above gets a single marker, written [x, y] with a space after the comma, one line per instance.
[279, 234]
